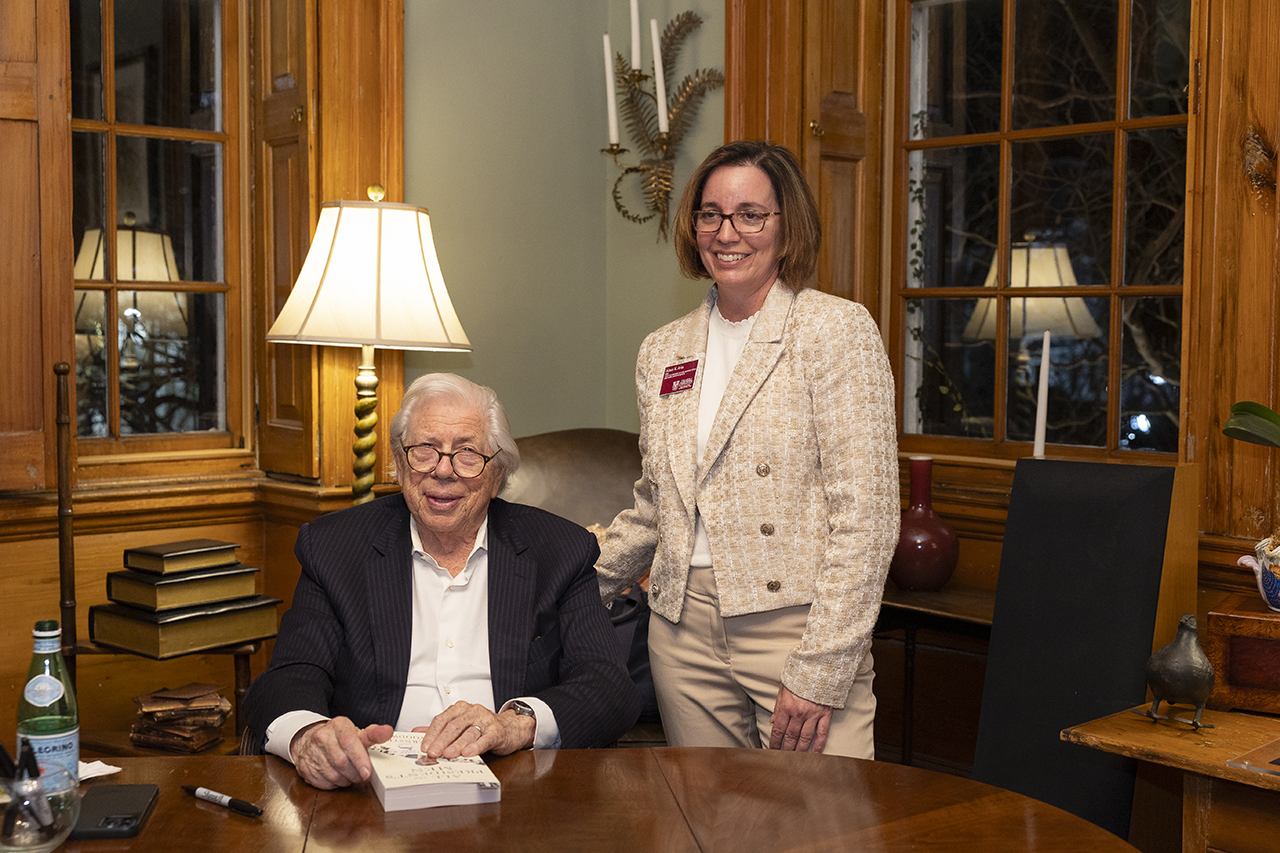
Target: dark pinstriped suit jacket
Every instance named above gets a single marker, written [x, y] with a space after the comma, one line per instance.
[343, 648]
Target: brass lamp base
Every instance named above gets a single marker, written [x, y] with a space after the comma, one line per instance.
[365, 446]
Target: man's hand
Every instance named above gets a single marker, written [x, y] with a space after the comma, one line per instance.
[335, 754]
[466, 729]
[799, 724]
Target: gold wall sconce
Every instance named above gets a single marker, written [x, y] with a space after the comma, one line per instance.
[657, 120]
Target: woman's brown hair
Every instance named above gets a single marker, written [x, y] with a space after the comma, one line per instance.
[800, 229]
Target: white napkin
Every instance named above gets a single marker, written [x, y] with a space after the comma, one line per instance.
[90, 769]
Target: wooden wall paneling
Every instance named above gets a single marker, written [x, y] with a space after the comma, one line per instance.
[764, 63]
[1236, 310]
[283, 217]
[843, 84]
[35, 270]
[354, 38]
[808, 74]
[21, 425]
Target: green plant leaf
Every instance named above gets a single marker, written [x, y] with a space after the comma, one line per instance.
[1248, 425]
[1249, 407]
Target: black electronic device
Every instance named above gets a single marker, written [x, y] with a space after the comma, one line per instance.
[114, 811]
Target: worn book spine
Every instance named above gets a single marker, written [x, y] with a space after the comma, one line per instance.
[181, 589]
[170, 633]
[180, 556]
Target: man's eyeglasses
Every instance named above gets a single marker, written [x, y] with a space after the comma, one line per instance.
[467, 464]
[744, 221]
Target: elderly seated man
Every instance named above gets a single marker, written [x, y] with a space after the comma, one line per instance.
[443, 609]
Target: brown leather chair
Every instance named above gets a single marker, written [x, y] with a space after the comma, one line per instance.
[584, 475]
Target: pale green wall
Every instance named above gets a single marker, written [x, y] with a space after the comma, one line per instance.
[504, 122]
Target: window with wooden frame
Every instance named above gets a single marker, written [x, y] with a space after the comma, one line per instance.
[1040, 183]
[155, 221]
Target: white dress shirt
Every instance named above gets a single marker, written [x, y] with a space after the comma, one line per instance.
[449, 652]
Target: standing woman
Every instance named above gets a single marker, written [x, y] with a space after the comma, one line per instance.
[768, 507]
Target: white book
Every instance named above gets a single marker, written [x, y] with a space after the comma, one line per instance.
[405, 778]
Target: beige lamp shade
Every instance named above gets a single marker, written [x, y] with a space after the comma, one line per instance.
[140, 256]
[371, 278]
[1035, 265]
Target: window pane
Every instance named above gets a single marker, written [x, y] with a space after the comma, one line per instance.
[1062, 196]
[1064, 62]
[91, 364]
[86, 59]
[952, 205]
[88, 209]
[955, 67]
[1160, 35]
[168, 66]
[949, 379]
[171, 348]
[174, 189]
[1077, 406]
[1151, 363]
[1155, 206]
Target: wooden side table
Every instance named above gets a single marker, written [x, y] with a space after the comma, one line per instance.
[1224, 808]
[955, 608]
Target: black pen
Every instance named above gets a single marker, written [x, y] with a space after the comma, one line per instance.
[238, 806]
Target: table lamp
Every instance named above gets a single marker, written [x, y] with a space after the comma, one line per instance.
[1034, 264]
[370, 279]
[141, 255]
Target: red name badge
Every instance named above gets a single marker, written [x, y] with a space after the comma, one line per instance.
[678, 377]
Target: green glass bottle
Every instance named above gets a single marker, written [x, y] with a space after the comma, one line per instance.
[47, 713]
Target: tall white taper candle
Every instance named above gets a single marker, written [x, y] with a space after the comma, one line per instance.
[635, 35]
[610, 91]
[659, 80]
[1042, 399]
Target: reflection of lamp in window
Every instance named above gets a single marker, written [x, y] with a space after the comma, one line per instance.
[140, 255]
[1035, 265]
[370, 279]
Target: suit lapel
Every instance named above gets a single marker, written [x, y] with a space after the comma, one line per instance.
[680, 410]
[389, 582]
[757, 362]
[512, 580]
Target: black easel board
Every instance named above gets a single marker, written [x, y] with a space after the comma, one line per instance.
[1074, 616]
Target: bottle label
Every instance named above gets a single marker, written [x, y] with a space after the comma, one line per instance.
[43, 690]
[48, 645]
[60, 751]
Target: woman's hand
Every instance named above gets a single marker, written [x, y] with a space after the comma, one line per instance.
[798, 724]
[467, 729]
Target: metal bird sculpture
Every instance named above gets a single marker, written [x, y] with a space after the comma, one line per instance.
[1180, 674]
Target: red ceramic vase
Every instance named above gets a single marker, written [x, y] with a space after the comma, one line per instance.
[927, 548]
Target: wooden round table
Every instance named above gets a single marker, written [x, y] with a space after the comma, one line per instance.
[732, 800]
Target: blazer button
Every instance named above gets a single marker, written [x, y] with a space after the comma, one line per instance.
[766, 529]
[762, 469]
[655, 590]
[773, 586]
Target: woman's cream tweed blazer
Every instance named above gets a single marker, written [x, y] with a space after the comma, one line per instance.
[799, 485]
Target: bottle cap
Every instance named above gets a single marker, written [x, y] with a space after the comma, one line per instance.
[47, 628]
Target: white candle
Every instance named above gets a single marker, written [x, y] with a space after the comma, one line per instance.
[610, 91]
[659, 81]
[1042, 399]
[635, 35]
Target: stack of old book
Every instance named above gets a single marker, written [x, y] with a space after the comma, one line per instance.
[182, 597]
[187, 719]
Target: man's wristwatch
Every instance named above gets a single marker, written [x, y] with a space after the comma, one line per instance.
[524, 709]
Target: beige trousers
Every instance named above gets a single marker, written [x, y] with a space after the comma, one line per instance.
[717, 679]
